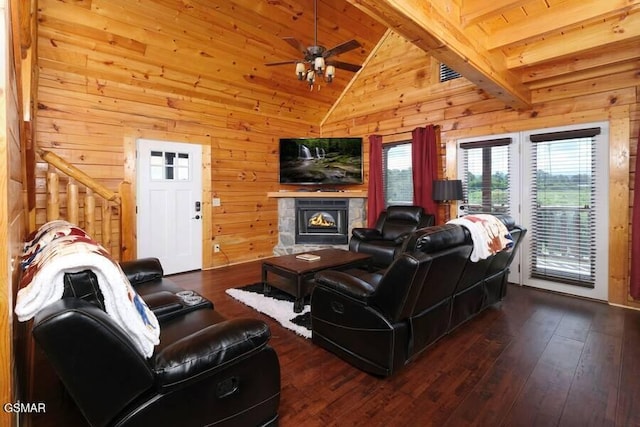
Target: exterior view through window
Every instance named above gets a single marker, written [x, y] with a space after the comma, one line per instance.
[486, 179]
[397, 178]
[564, 199]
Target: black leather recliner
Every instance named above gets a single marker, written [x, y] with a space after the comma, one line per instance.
[207, 370]
[379, 321]
[392, 228]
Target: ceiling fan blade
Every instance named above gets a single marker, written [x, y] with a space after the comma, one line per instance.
[291, 61]
[296, 44]
[341, 48]
[345, 65]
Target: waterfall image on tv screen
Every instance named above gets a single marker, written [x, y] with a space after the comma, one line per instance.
[332, 161]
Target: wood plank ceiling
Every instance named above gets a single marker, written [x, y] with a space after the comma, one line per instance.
[512, 49]
[517, 49]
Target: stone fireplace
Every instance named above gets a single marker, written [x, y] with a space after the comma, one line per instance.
[289, 221]
[322, 221]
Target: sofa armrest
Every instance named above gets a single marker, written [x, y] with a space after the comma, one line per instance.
[366, 233]
[142, 270]
[162, 303]
[208, 350]
[345, 283]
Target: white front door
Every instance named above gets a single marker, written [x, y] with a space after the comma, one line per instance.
[169, 204]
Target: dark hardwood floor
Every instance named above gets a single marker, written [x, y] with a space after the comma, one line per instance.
[536, 359]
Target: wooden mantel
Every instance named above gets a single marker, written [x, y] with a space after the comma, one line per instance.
[318, 194]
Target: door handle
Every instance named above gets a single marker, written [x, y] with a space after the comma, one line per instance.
[196, 217]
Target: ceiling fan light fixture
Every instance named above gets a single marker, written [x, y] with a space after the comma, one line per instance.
[300, 70]
[314, 59]
[330, 73]
[318, 64]
[311, 77]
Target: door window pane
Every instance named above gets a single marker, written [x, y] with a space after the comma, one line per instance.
[486, 179]
[182, 167]
[156, 163]
[563, 207]
[169, 166]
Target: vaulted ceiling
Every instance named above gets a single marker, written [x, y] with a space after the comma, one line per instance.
[216, 50]
[514, 48]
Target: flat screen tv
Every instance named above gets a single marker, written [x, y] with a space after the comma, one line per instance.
[321, 161]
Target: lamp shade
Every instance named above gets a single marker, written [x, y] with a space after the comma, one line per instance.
[450, 189]
[300, 70]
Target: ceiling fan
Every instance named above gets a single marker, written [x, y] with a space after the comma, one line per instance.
[317, 58]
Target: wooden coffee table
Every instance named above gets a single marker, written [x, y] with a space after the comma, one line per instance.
[295, 276]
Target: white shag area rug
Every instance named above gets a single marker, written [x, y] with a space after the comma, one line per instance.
[278, 307]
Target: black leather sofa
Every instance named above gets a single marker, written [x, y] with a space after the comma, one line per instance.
[207, 370]
[393, 227]
[380, 321]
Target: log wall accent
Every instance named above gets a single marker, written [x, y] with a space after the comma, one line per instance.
[462, 111]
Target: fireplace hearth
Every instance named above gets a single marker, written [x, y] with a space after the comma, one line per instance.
[322, 221]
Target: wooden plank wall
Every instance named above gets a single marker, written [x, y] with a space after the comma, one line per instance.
[395, 93]
[98, 92]
[11, 214]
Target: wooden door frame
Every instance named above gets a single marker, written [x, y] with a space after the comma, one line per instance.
[128, 239]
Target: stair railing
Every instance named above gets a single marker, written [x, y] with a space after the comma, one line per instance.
[111, 200]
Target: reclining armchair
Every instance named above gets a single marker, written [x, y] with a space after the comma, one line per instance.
[385, 240]
[206, 370]
[380, 321]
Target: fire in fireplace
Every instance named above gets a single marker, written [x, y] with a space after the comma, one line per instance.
[322, 221]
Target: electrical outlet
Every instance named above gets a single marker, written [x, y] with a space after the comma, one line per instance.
[216, 248]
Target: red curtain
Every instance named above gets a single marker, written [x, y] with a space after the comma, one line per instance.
[634, 283]
[375, 201]
[425, 163]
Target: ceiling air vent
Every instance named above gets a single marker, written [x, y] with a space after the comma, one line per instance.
[447, 73]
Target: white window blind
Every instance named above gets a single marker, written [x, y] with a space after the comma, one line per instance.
[563, 238]
[397, 174]
[486, 177]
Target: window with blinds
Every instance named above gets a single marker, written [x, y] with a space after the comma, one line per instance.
[563, 238]
[397, 175]
[486, 177]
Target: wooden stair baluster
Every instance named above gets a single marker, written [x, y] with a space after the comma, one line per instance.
[53, 195]
[90, 212]
[106, 225]
[73, 204]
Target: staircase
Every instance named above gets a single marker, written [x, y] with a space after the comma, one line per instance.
[88, 204]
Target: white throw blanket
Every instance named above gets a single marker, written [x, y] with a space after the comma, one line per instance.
[488, 233]
[60, 247]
